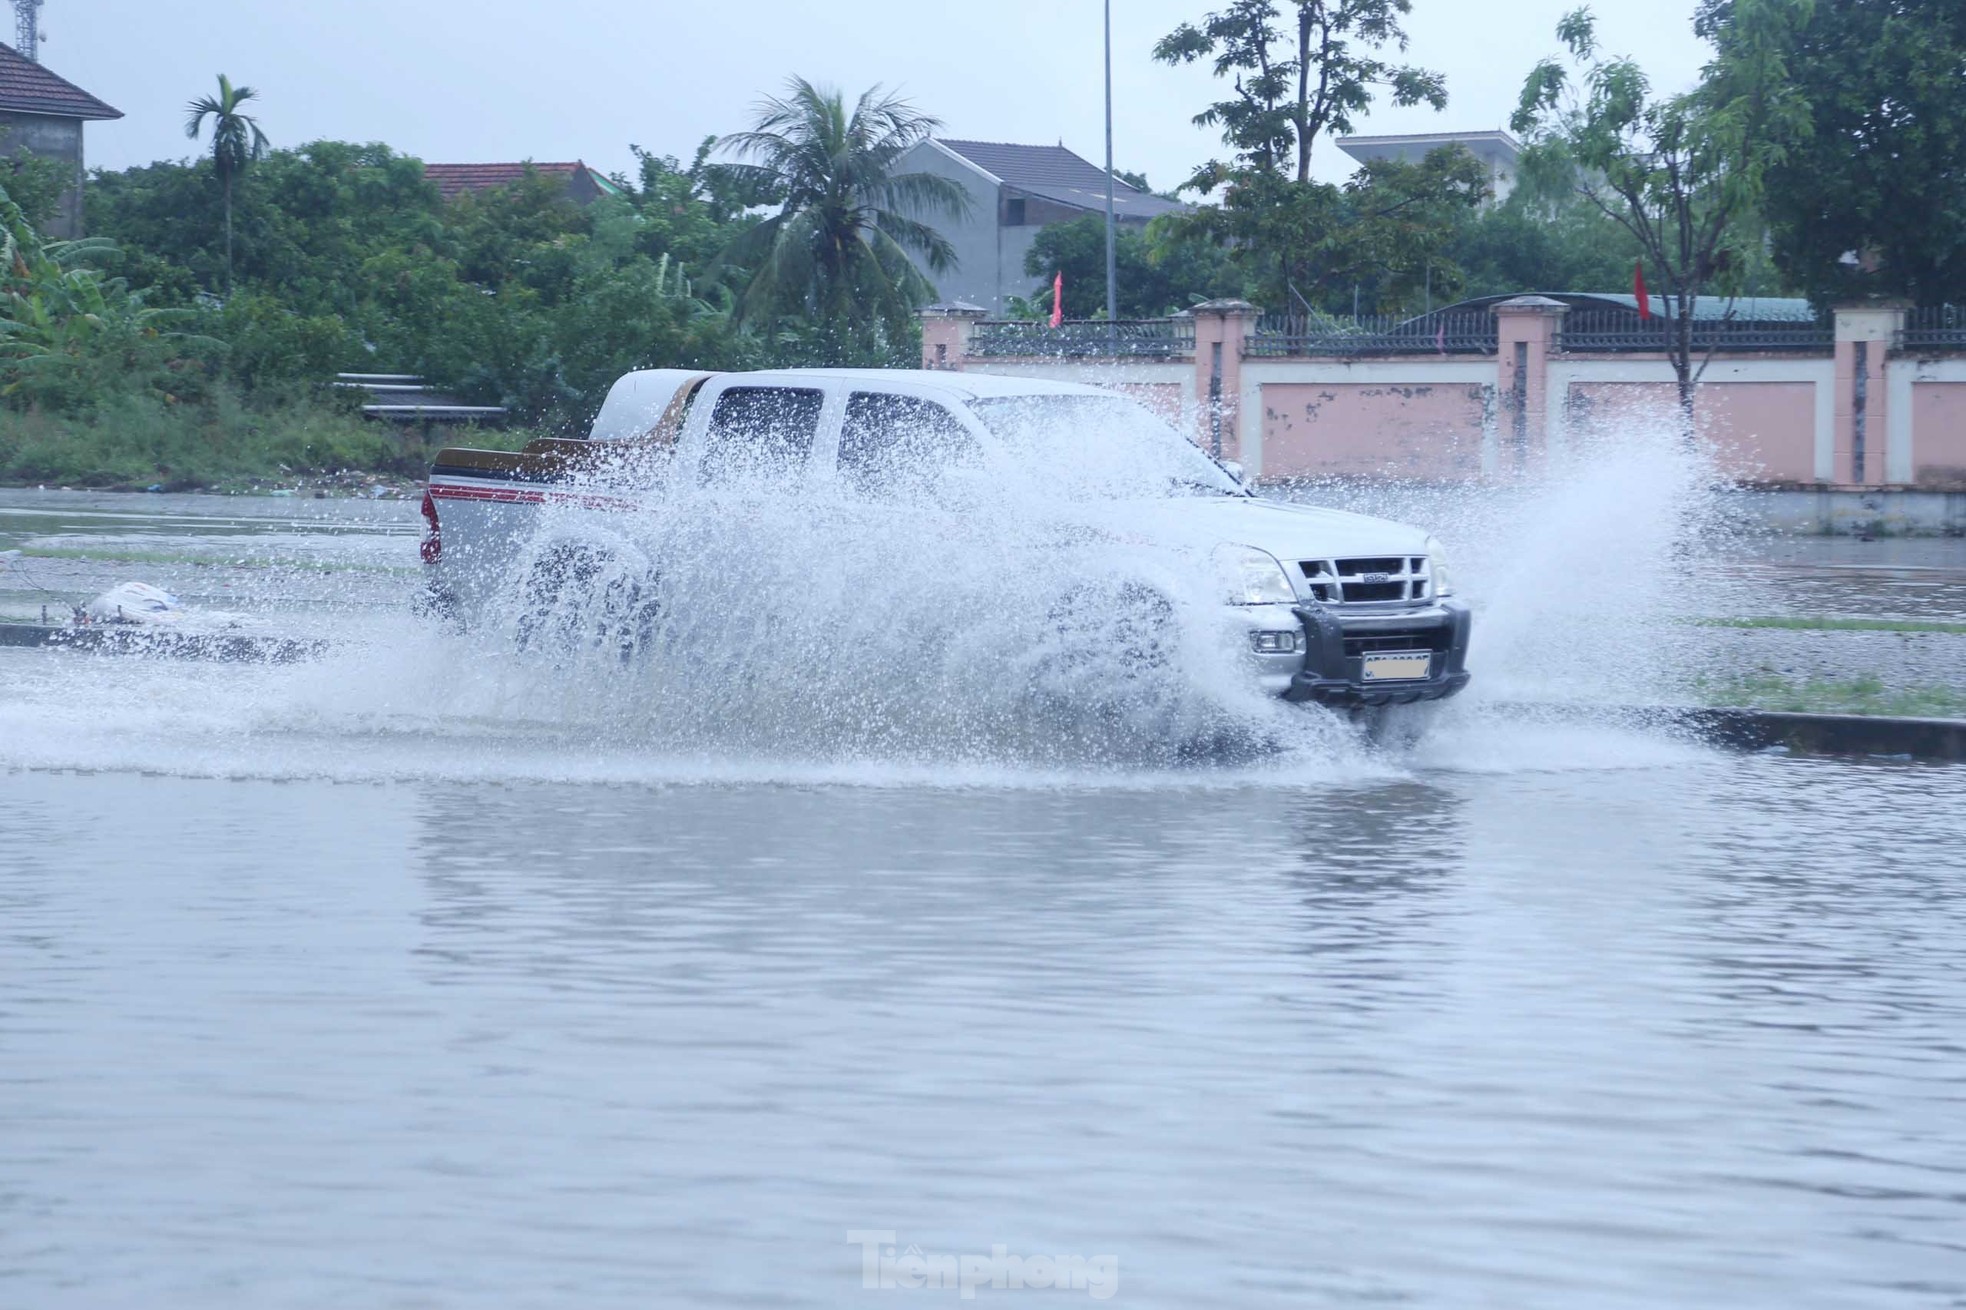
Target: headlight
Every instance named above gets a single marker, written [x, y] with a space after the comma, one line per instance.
[1437, 565]
[1253, 577]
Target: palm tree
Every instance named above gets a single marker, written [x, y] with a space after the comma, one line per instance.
[836, 251]
[236, 142]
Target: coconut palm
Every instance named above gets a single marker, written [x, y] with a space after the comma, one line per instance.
[836, 251]
[236, 142]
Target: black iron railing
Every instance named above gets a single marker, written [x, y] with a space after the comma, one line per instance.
[1448, 332]
[1157, 338]
[1591, 331]
[1935, 327]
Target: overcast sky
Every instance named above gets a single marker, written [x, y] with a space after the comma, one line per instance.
[468, 81]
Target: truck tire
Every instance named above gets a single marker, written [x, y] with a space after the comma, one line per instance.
[578, 597]
[1393, 727]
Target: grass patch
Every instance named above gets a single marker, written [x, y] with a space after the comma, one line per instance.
[1764, 691]
[1809, 624]
[135, 440]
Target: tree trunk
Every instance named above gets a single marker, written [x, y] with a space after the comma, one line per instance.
[1682, 367]
[228, 233]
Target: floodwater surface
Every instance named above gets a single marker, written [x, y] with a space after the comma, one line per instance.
[389, 980]
[1681, 1033]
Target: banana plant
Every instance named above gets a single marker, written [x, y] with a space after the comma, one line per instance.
[55, 306]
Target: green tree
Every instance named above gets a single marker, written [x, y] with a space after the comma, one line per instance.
[1381, 241]
[68, 333]
[1879, 176]
[836, 252]
[1299, 69]
[34, 183]
[1160, 271]
[1683, 174]
[236, 142]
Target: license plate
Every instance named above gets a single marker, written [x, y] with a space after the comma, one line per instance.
[1398, 666]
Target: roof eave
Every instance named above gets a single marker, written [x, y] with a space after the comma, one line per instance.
[103, 115]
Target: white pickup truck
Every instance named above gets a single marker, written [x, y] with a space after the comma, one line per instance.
[1320, 605]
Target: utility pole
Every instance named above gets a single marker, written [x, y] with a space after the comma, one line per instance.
[1112, 256]
[27, 28]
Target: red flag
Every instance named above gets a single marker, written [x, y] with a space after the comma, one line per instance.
[1638, 290]
[1058, 298]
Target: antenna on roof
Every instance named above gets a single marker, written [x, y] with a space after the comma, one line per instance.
[27, 28]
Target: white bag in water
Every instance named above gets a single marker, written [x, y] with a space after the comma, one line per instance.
[136, 602]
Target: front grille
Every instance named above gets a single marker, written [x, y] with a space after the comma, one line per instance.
[1436, 639]
[1369, 580]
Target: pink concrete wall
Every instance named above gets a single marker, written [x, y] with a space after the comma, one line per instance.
[1761, 431]
[1938, 424]
[1164, 398]
[1429, 431]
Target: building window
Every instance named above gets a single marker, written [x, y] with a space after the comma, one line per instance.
[1013, 212]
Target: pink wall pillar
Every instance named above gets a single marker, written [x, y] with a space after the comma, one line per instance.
[946, 332]
[1864, 334]
[1527, 329]
[1221, 328]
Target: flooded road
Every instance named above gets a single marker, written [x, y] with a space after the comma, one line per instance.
[365, 983]
[1682, 1033]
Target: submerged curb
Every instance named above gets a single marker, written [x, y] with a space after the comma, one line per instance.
[1805, 734]
[1831, 734]
[230, 647]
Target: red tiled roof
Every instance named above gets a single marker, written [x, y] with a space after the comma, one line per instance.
[453, 180]
[28, 88]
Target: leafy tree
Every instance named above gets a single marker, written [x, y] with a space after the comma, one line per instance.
[1300, 69]
[689, 213]
[1520, 246]
[1879, 176]
[1683, 174]
[835, 253]
[1379, 241]
[66, 330]
[34, 183]
[1160, 271]
[236, 141]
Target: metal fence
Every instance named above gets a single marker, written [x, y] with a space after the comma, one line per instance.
[1588, 331]
[1941, 327]
[1448, 332]
[1154, 338]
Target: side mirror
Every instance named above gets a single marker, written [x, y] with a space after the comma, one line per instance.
[1233, 469]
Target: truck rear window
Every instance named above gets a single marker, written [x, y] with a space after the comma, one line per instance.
[760, 431]
[894, 444]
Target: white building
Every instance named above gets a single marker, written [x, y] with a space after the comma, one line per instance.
[1497, 153]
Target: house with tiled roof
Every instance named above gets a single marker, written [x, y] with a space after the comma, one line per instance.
[584, 185]
[42, 114]
[1014, 191]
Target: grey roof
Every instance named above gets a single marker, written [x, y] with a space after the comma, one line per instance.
[1055, 173]
[28, 88]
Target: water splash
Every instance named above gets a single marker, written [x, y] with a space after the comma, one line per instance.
[980, 629]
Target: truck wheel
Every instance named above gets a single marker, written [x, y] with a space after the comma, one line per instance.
[579, 598]
[1393, 727]
[1115, 634]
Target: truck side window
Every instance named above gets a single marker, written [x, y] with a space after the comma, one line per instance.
[891, 444]
[760, 430]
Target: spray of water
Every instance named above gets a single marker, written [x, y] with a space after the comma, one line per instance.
[1056, 618]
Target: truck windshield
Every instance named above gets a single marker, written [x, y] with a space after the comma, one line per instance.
[1104, 447]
